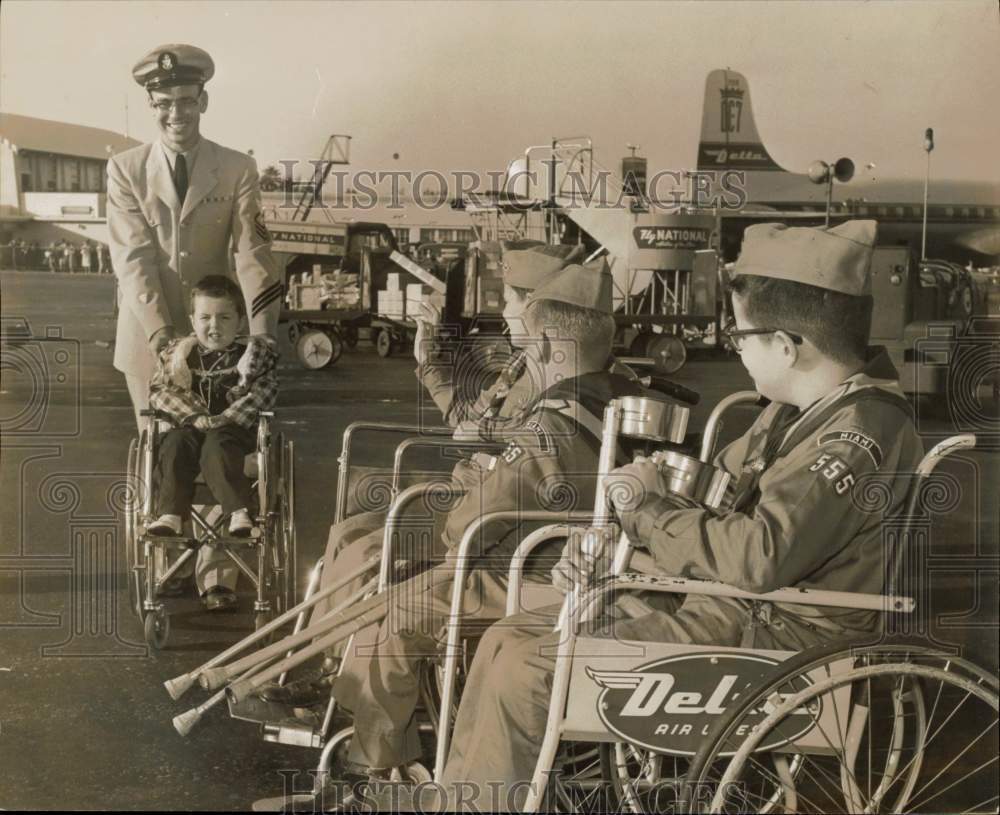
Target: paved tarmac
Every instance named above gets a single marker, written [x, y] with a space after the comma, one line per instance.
[84, 720]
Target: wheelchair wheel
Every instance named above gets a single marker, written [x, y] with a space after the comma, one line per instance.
[578, 783]
[640, 780]
[883, 728]
[133, 555]
[156, 629]
[281, 528]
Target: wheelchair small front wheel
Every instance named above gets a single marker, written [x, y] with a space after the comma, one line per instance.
[156, 629]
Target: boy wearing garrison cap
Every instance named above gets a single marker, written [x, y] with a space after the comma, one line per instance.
[837, 416]
[549, 464]
[177, 209]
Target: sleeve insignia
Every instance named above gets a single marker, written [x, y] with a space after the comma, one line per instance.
[260, 227]
[866, 443]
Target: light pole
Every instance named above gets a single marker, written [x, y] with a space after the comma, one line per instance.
[928, 148]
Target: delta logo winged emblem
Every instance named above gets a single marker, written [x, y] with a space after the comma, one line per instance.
[670, 705]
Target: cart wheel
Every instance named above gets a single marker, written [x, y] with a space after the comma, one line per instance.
[384, 344]
[294, 332]
[156, 629]
[349, 334]
[668, 352]
[314, 349]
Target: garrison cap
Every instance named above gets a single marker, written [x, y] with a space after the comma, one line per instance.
[529, 268]
[584, 286]
[173, 64]
[837, 258]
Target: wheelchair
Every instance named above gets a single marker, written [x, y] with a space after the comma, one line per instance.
[880, 725]
[272, 469]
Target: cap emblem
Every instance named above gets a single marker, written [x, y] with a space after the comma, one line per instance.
[167, 61]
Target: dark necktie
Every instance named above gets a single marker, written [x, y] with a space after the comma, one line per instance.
[181, 176]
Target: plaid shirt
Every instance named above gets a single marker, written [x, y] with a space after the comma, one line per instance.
[172, 389]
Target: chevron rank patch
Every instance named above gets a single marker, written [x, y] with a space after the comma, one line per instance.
[260, 227]
[265, 298]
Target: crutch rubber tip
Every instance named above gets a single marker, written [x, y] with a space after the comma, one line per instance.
[186, 721]
[178, 686]
[213, 678]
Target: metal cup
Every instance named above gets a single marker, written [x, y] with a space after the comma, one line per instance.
[691, 478]
[653, 419]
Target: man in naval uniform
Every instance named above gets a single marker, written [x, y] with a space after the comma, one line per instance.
[178, 209]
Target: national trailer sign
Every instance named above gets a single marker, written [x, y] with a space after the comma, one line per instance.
[671, 237]
[311, 239]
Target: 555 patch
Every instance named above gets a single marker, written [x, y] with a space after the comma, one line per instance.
[836, 471]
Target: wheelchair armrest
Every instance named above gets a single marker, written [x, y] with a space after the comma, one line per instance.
[419, 441]
[632, 581]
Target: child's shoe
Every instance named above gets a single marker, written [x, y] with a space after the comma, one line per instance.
[240, 524]
[166, 526]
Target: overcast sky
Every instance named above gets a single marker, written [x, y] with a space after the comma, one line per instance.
[452, 86]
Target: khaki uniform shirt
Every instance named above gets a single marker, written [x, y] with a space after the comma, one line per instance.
[811, 526]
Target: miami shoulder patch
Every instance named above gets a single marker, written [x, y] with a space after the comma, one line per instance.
[545, 444]
[858, 439]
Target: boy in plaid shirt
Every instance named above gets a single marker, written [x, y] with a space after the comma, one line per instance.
[213, 388]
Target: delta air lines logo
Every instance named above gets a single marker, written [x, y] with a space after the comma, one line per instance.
[670, 705]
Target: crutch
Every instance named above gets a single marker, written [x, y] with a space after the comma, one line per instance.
[179, 685]
[324, 634]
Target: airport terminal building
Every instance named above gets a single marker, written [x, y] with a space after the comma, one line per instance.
[53, 179]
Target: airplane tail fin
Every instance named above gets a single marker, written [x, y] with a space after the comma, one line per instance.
[729, 137]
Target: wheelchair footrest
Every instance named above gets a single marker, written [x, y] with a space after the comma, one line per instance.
[180, 542]
[260, 711]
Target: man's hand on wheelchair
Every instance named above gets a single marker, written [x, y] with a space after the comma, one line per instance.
[160, 339]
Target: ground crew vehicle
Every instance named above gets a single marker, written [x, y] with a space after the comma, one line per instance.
[941, 326]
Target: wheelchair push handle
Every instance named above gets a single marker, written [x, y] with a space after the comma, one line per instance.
[942, 449]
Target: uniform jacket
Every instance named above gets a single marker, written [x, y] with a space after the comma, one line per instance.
[550, 463]
[811, 525]
[255, 388]
[160, 249]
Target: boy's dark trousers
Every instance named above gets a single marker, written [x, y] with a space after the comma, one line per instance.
[218, 454]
